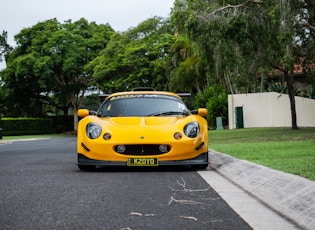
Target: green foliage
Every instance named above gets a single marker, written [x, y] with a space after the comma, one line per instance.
[137, 57]
[5, 48]
[91, 102]
[209, 42]
[240, 39]
[33, 126]
[279, 87]
[188, 70]
[25, 126]
[49, 59]
[215, 99]
[62, 123]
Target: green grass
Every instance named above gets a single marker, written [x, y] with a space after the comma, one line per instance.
[284, 149]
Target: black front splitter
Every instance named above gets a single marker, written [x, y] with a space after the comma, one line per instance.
[201, 160]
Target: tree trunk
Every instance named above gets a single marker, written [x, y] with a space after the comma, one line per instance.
[75, 118]
[292, 99]
[76, 102]
[228, 82]
[75, 107]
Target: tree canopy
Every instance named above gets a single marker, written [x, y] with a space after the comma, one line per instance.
[139, 56]
[241, 40]
[231, 46]
[50, 58]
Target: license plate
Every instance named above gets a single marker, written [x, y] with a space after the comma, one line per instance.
[142, 162]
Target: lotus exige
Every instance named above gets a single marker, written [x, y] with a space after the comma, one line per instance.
[142, 128]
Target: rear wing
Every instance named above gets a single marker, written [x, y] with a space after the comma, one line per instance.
[104, 95]
[184, 94]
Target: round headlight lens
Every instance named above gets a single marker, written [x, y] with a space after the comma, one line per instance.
[192, 129]
[93, 130]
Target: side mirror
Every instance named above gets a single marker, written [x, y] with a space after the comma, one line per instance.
[83, 112]
[203, 112]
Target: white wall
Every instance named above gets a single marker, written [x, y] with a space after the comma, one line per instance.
[271, 110]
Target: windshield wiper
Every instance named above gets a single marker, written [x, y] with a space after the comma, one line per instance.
[166, 113]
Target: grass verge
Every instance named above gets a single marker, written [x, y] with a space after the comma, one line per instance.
[34, 136]
[283, 149]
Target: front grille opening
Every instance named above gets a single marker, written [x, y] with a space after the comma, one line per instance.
[142, 150]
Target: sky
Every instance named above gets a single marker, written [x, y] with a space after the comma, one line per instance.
[119, 14]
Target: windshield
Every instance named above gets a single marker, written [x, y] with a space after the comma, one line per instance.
[142, 105]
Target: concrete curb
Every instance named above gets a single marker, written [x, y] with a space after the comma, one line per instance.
[291, 196]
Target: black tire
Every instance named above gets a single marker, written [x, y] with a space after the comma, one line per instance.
[87, 167]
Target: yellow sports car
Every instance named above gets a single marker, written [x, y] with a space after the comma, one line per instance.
[142, 127]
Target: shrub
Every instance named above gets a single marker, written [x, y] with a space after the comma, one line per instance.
[26, 126]
[215, 99]
[62, 123]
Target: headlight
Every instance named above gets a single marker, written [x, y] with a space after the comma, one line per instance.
[93, 130]
[192, 129]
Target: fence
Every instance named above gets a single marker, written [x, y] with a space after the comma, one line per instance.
[269, 110]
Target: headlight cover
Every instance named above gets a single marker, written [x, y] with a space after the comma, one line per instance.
[93, 130]
[192, 129]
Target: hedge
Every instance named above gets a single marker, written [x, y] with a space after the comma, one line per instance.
[62, 123]
[34, 126]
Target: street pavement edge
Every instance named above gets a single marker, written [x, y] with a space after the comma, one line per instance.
[291, 196]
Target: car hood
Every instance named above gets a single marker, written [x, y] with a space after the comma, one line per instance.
[142, 121]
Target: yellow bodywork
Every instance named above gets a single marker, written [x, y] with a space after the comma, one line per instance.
[146, 130]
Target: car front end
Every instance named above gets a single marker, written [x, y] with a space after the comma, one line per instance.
[145, 139]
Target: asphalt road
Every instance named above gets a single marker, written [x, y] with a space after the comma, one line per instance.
[42, 188]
